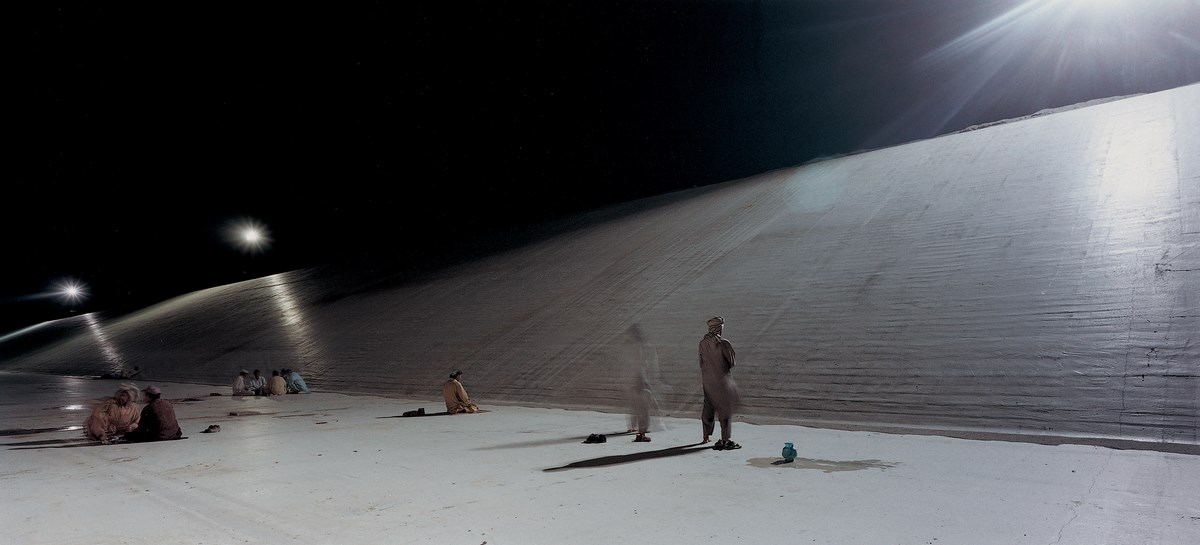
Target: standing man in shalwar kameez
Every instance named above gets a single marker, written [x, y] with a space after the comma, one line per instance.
[720, 392]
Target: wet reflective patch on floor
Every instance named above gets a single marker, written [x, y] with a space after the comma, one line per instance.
[75, 407]
[50, 442]
[828, 466]
[31, 431]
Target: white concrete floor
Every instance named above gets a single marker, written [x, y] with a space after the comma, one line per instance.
[328, 468]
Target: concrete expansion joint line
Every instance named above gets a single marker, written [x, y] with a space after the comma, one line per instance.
[1075, 504]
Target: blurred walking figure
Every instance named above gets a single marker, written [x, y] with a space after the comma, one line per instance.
[643, 359]
[115, 417]
[457, 400]
[641, 399]
[717, 359]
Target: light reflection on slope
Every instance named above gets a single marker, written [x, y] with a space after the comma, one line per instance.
[292, 320]
[111, 355]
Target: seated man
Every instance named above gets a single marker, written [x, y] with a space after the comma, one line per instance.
[258, 384]
[118, 415]
[457, 400]
[239, 384]
[158, 421]
[295, 384]
[277, 386]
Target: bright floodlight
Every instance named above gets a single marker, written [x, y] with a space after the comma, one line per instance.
[1040, 51]
[249, 236]
[71, 291]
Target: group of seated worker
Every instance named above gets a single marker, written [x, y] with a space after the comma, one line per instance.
[118, 418]
[283, 381]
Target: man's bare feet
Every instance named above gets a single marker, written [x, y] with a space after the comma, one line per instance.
[705, 440]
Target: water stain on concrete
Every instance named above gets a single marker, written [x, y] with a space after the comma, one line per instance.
[828, 466]
[31, 431]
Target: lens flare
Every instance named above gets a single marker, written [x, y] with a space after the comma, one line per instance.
[249, 236]
[70, 291]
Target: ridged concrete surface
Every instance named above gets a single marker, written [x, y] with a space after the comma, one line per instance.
[1038, 276]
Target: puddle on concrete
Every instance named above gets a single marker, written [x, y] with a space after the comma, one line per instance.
[76, 440]
[65, 408]
[828, 466]
[31, 431]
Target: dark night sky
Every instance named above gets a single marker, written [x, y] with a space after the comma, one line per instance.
[403, 128]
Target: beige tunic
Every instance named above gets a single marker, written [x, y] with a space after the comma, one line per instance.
[239, 386]
[457, 400]
[278, 386]
[111, 420]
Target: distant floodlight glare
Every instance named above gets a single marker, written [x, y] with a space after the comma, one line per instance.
[71, 291]
[249, 236]
[1037, 45]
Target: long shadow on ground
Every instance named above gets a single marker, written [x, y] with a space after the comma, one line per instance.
[635, 457]
[548, 442]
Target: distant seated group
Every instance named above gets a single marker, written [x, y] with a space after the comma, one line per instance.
[283, 381]
[118, 418]
[122, 374]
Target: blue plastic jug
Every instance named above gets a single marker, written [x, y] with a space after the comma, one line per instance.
[789, 452]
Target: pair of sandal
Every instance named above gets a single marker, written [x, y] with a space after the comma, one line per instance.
[726, 444]
[641, 438]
